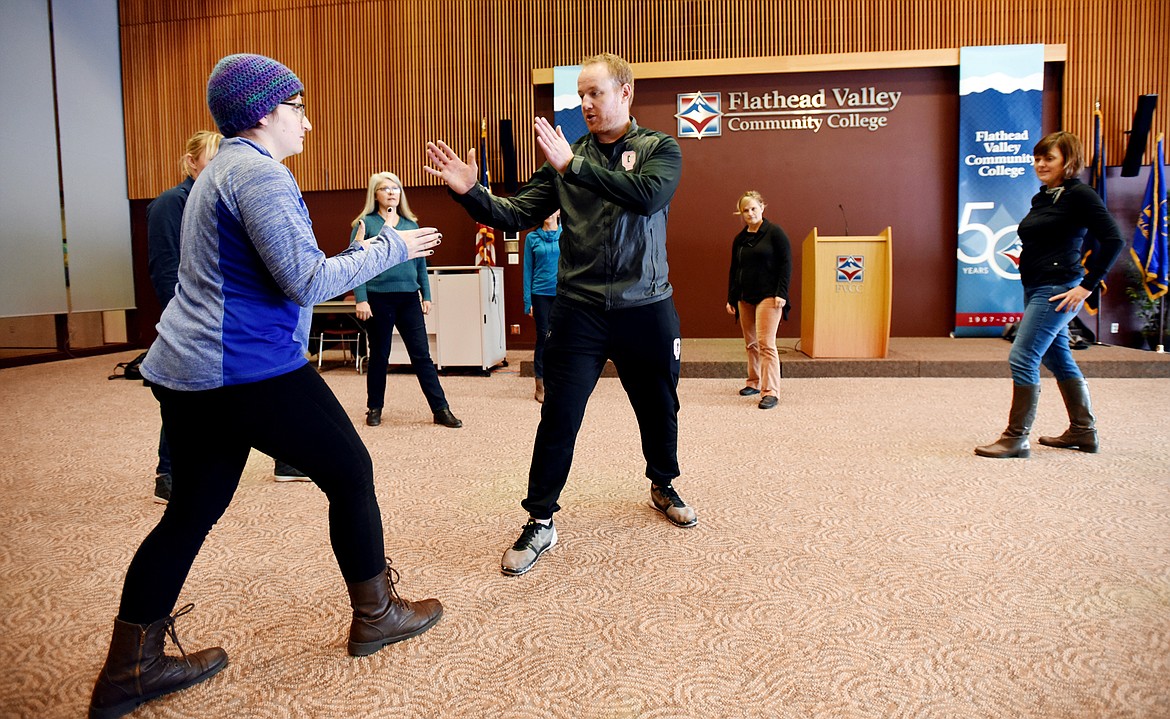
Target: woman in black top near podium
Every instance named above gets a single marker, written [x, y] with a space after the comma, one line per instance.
[757, 293]
[1055, 286]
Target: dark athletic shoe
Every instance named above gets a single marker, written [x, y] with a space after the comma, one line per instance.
[667, 501]
[748, 391]
[288, 473]
[162, 489]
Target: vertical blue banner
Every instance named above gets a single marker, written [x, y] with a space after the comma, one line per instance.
[566, 102]
[1000, 92]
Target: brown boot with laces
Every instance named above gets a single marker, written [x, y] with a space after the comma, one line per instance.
[381, 617]
[137, 670]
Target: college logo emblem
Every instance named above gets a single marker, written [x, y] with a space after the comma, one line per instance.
[699, 115]
[851, 268]
[629, 157]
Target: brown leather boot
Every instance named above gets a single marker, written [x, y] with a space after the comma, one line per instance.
[381, 617]
[1014, 441]
[1082, 425]
[539, 396]
[137, 671]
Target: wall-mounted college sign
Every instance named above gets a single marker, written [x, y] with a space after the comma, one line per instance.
[703, 114]
[1000, 93]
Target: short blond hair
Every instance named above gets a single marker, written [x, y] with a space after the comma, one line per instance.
[619, 69]
[749, 195]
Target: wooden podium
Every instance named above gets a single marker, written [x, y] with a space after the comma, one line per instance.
[846, 286]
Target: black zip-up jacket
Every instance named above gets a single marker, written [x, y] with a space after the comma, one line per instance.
[761, 266]
[613, 215]
[1051, 234]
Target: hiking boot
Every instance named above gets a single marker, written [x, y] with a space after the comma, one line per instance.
[535, 540]
[162, 489]
[137, 670]
[381, 617]
[667, 501]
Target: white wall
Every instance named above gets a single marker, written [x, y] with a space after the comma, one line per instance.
[90, 148]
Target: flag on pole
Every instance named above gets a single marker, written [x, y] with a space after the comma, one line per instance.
[485, 237]
[1097, 181]
[1153, 227]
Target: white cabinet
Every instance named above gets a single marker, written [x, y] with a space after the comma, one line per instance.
[465, 327]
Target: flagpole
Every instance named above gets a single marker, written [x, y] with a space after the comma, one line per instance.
[1096, 316]
[1160, 349]
[1160, 200]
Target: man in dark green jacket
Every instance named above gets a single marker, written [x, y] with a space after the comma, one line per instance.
[613, 188]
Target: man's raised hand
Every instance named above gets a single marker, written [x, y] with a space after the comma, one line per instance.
[460, 176]
[553, 144]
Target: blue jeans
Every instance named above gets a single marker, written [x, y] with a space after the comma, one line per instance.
[1043, 338]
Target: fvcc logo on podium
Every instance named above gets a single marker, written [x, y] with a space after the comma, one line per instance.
[850, 273]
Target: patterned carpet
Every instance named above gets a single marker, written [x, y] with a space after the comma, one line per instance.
[853, 559]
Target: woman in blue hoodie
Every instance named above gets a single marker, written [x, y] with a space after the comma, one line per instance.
[542, 253]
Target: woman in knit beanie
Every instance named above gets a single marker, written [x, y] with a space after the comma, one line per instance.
[230, 374]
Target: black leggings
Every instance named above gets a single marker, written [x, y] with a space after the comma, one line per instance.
[295, 417]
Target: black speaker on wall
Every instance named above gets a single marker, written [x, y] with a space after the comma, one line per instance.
[508, 153]
[1136, 147]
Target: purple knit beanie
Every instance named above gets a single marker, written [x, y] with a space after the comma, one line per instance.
[244, 88]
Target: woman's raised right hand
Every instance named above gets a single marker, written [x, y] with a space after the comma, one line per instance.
[420, 242]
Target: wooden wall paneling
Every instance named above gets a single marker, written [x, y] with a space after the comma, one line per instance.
[442, 64]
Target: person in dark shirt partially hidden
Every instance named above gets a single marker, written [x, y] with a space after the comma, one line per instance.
[1055, 286]
[757, 294]
[164, 217]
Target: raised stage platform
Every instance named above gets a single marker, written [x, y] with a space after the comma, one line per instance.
[909, 357]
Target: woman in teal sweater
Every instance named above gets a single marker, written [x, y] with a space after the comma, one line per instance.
[399, 297]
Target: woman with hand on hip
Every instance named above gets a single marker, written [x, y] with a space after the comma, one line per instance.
[757, 293]
[542, 254]
[1055, 286]
[399, 297]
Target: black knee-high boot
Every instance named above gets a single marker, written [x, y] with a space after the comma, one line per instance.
[1014, 441]
[1082, 425]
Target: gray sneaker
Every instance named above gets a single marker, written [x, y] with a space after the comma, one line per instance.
[667, 501]
[535, 540]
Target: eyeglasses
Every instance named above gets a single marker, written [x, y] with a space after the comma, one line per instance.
[298, 106]
[389, 188]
